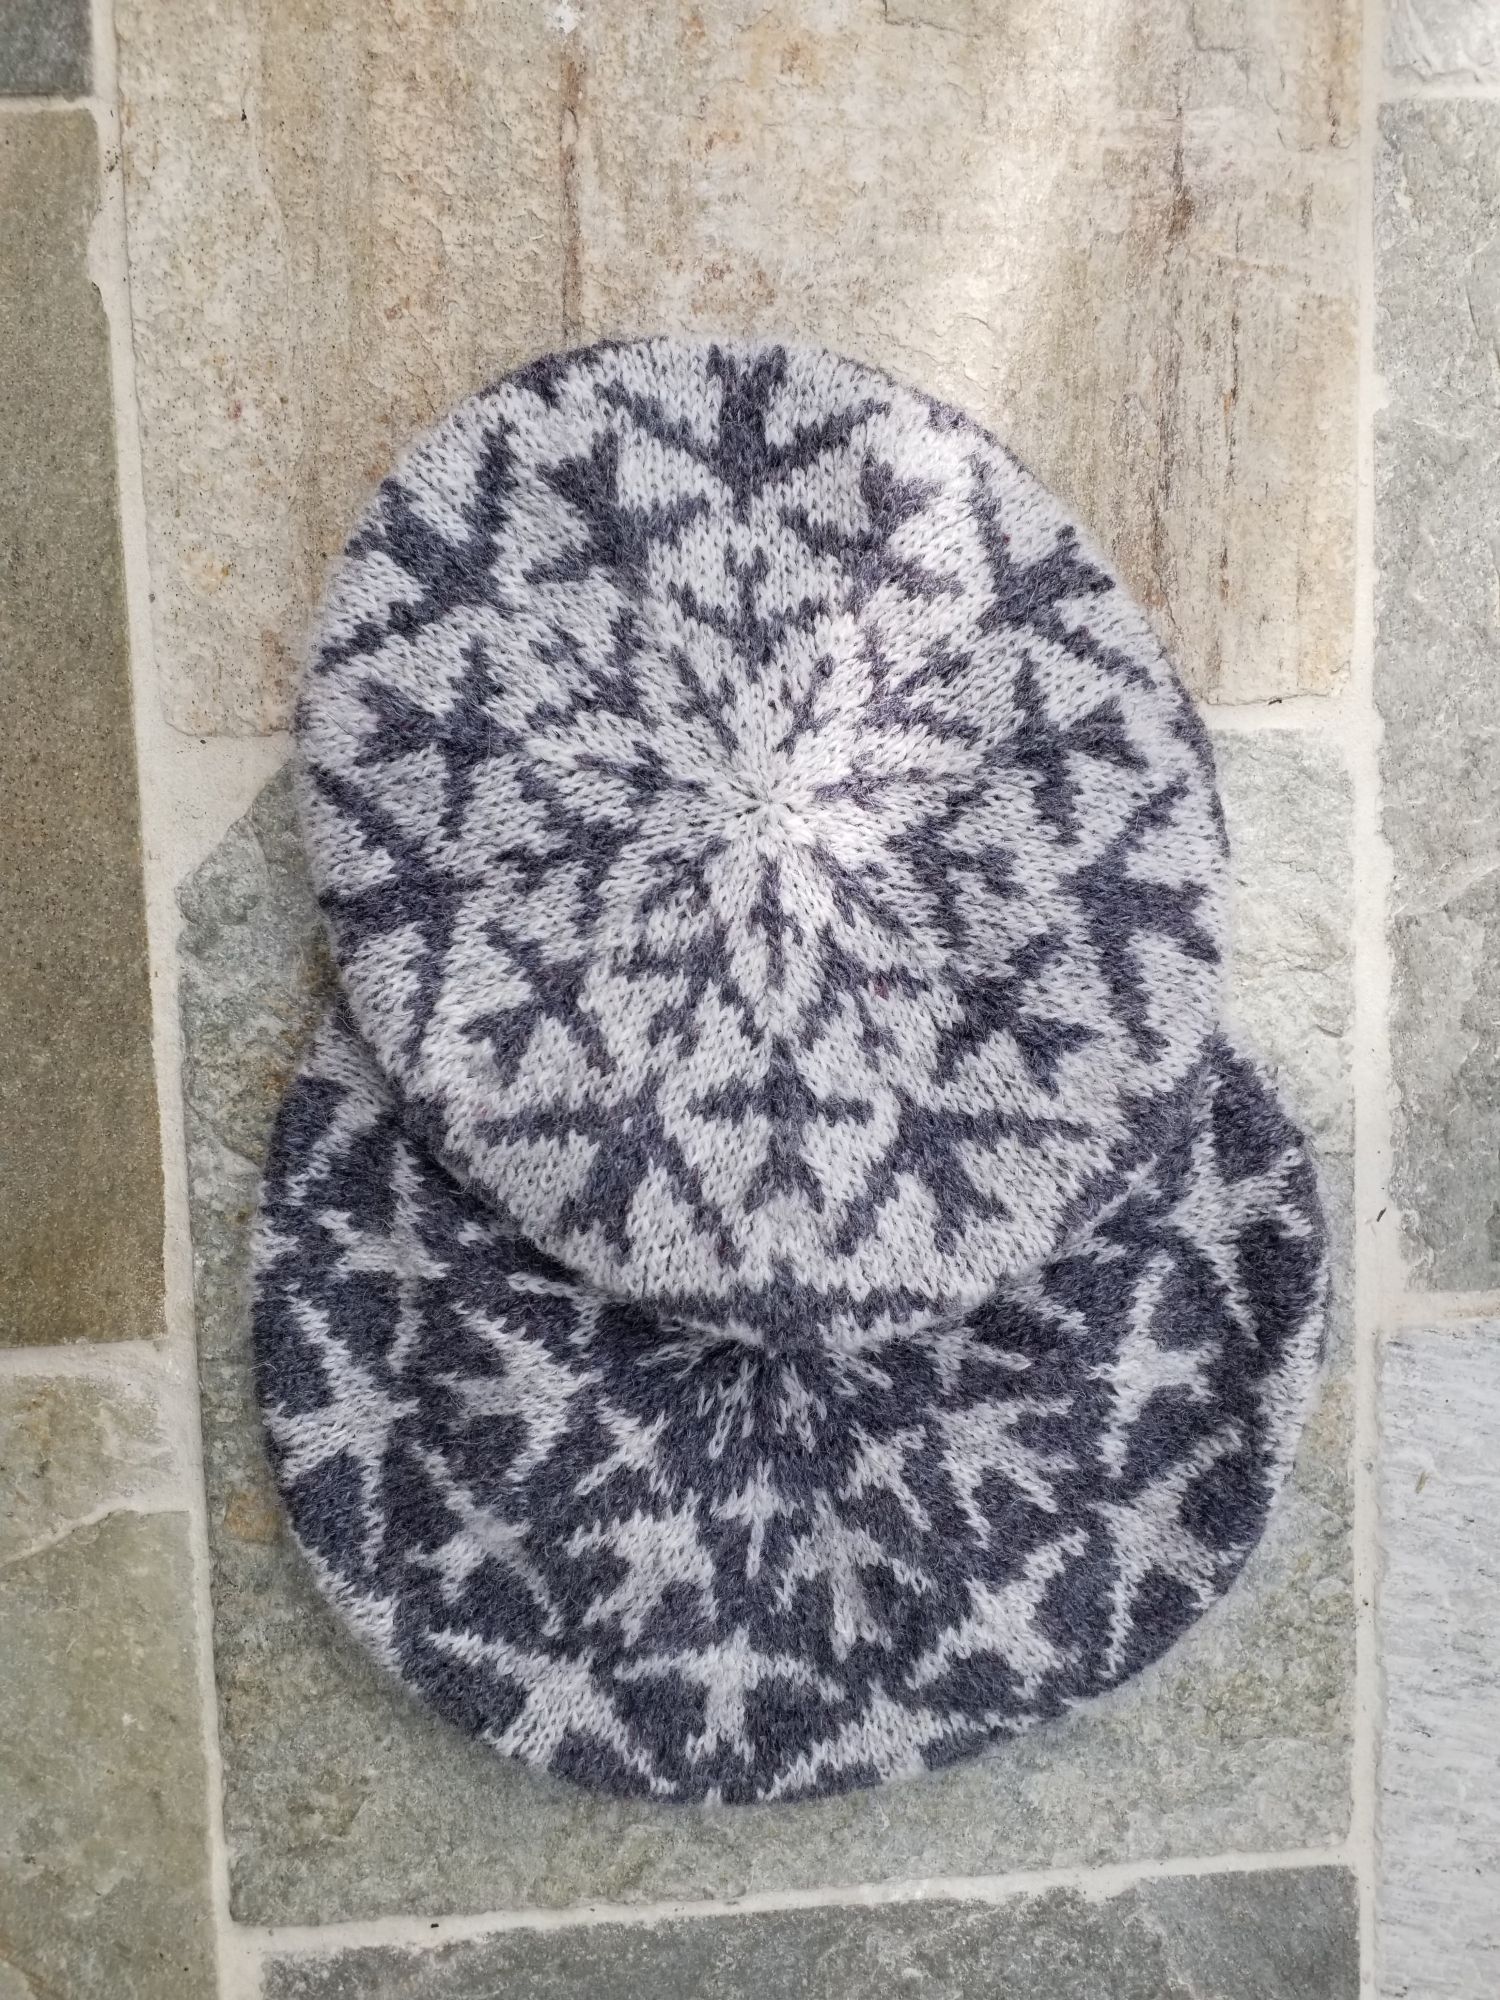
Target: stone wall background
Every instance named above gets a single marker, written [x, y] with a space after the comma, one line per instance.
[1226, 273]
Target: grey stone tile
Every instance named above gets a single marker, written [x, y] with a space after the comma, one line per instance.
[44, 48]
[80, 1176]
[1443, 40]
[1220, 1937]
[1123, 235]
[341, 219]
[343, 1799]
[104, 1872]
[1287, 800]
[1438, 454]
[1439, 1888]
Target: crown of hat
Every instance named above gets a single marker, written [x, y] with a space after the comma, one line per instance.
[765, 848]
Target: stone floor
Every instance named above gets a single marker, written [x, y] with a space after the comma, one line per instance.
[1228, 277]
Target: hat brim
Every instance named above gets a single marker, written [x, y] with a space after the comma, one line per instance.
[668, 1564]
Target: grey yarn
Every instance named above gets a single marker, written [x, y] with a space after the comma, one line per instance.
[771, 1276]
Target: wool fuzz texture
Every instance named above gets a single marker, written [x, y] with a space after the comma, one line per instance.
[771, 1275]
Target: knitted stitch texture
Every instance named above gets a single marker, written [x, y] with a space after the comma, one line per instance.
[771, 1276]
[767, 850]
[663, 1561]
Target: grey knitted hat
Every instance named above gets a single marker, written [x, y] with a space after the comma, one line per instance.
[771, 1275]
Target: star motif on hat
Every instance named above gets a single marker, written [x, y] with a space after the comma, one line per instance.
[771, 1275]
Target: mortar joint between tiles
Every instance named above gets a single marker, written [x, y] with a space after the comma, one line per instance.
[1378, 1274]
[1096, 1882]
[179, 1341]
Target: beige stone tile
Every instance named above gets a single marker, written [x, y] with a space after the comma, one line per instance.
[1120, 231]
[80, 1172]
[70, 1449]
[104, 1866]
[340, 220]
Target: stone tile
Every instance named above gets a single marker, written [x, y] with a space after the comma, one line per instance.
[70, 1450]
[80, 1176]
[1122, 235]
[1437, 462]
[1287, 800]
[342, 1799]
[1220, 1937]
[1126, 238]
[1443, 40]
[340, 220]
[104, 1882]
[1438, 1900]
[44, 48]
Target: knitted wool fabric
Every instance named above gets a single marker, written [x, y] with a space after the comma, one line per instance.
[765, 848]
[666, 1562]
[771, 1276]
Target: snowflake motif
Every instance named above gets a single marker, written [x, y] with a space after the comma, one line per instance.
[770, 1277]
[685, 1564]
[762, 843]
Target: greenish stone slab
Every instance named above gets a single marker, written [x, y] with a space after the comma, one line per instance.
[104, 1870]
[1437, 467]
[80, 1171]
[343, 1799]
[44, 48]
[1282, 1936]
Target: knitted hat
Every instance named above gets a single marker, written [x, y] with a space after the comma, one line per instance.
[771, 1275]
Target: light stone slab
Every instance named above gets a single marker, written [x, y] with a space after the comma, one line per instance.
[69, 1450]
[1443, 41]
[340, 219]
[343, 1799]
[1437, 538]
[1123, 235]
[1283, 1936]
[1439, 1885]
[104, 1868]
